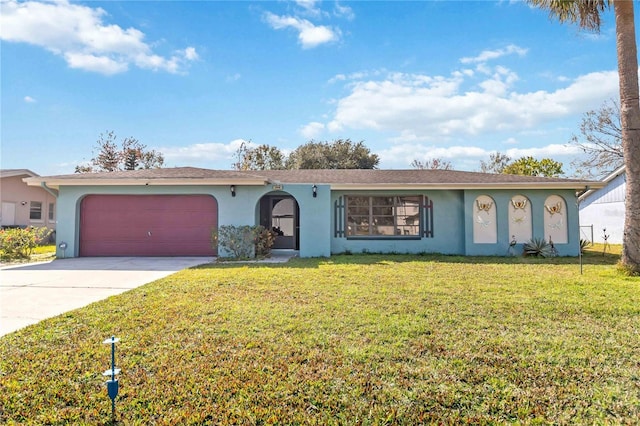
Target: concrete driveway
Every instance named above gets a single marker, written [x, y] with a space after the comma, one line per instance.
[32, 292]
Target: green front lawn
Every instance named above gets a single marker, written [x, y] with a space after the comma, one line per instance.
[349, 340]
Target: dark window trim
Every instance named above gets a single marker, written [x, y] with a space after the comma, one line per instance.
[339, 218]
[386, 237]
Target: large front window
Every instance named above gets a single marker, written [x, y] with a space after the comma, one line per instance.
[383, 216]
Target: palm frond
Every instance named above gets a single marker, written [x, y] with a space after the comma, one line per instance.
[585, 13]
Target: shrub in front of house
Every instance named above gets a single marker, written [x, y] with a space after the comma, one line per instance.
[537, 247]
[264, 241]
[18, 243]
[243, 242]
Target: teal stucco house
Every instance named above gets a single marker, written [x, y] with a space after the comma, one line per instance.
[171, 211]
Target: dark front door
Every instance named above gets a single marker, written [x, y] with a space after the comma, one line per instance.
[280, 214]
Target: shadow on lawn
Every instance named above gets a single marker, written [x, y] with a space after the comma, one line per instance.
[591, 257]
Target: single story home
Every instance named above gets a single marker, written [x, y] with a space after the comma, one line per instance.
[24, 205]
[171, 211]
[604, 208]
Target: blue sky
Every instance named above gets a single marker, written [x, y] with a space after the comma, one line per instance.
[454, 80]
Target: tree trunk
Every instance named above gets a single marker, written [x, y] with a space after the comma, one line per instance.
[630, 118]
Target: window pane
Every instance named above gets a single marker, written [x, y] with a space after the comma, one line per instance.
[360, 230]
[282, 217]
[384, 230]
[382, 211]
[35, 210]
[358, 225]
[359, 210]
[382, 201]
[357, 201]
[358, 220]
[383, 220]
[408, 230]
[52, 211]
[413, 202]
[408, 215]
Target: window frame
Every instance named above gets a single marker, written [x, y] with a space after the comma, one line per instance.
[35, 209]
[380, 207]
[51, 214]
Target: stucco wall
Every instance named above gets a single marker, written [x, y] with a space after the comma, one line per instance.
[453, 215]
[18, 194]
[448, 223]
[537, 199]
[239, 210]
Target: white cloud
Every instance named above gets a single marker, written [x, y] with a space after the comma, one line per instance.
[100, 64]
[309, 7]
[353, 76]
[488, 55]
[312, 130]
[548, 151]
[510, 141]
[29, 100]
[400, 156]
[234, 77]
[309, 35]
[79, 34]
[418, 107]
[190, 54]
[336, 78]
[343, 12]
[220, 155]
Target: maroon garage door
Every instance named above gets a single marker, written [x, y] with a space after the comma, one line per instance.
[147, 225]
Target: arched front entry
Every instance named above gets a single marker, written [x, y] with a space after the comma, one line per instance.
[281, 214]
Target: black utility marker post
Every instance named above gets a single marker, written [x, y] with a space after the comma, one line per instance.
[112, 385]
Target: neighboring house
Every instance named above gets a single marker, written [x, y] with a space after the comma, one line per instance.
[171, 212]
[603, 208]
[24, 205]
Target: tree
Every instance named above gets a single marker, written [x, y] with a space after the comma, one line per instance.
[432, 164]
[340, 154]
[601, 141]
[587, 14]
[529, 166]
[262, 157]
[132, 155]
[496, 164]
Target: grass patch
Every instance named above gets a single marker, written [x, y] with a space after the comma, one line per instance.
[48, 249]
[359, 339]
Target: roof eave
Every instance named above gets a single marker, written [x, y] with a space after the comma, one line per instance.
[57, 183]
[462, 186]
[17, 172]
[620, 170]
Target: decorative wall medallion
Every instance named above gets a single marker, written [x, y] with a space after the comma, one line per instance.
[556, 208]
[556, 225]
[519, 204]
[483, 223]
[485, 207]
[518, 219]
